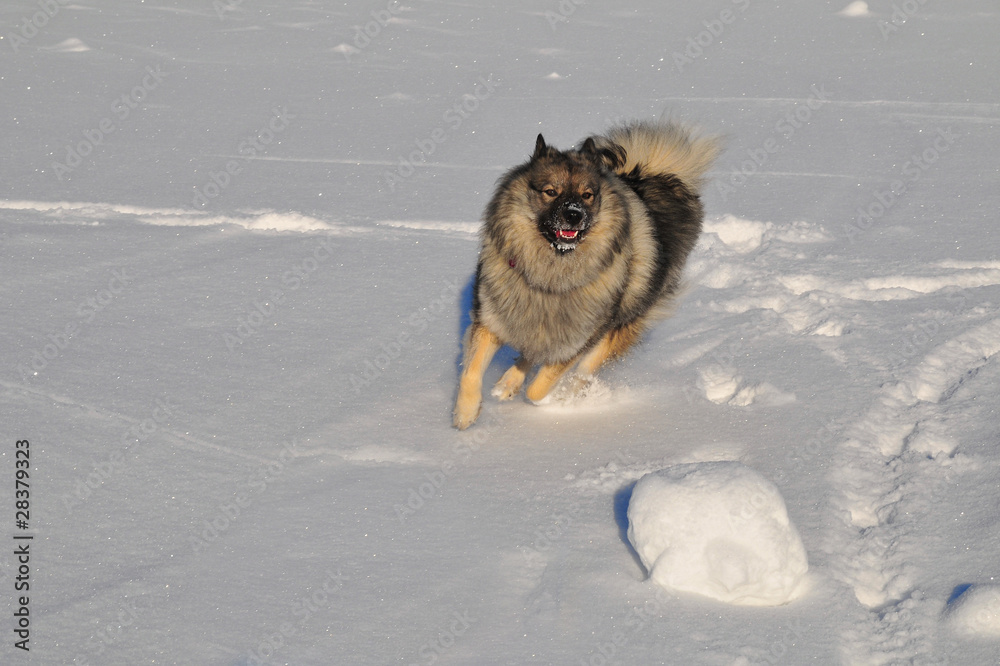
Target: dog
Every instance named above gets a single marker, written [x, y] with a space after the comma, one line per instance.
[581, 252]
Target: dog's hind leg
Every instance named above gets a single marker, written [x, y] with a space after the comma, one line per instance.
[512, 381]
[547, 377]
[480, 346]
[614, 344]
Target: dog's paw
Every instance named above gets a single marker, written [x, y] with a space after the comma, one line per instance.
[570, 389]
[466, 414]
[509, 385]
[577, 386]
[463, 421]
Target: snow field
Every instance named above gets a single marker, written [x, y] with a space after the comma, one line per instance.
[289, 192]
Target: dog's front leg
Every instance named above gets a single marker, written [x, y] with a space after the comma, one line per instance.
[480, 346]
[512, 381]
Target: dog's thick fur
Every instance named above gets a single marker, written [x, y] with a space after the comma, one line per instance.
[582, 251]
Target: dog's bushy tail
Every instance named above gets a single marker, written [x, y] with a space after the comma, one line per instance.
[665, 164]
[644, 149]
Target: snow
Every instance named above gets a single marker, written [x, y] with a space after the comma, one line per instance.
[236, 248]
[976, 612]
[856, 8]
[718, 529]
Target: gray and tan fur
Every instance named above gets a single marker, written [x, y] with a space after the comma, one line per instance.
[582, 251]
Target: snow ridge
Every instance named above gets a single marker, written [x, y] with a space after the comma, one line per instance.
[88, 213]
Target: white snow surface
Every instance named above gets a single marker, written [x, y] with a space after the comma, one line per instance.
[237, 240]
[718, 529]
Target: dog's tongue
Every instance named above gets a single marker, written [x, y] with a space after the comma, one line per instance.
[567, 234]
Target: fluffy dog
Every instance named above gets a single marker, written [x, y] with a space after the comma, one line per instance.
[582, 250]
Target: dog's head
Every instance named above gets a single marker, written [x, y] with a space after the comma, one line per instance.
[565, 190]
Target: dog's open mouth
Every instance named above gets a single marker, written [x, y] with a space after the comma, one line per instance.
[567, 239]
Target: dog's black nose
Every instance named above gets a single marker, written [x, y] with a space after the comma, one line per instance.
[572, 213]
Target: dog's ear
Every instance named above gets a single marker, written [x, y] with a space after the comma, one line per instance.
[541, 150]
[611, 156]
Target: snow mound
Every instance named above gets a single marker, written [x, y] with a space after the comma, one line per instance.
[71, 45]
[718, 529]
[742, 236]
[855, 9]
[976, 612]
[722, 385]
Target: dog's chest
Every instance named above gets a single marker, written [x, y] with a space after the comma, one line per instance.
[544, 326]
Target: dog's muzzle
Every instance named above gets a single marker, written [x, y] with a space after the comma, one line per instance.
[570, 225]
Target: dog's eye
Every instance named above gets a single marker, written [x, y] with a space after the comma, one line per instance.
[550, 192]
[587, 196]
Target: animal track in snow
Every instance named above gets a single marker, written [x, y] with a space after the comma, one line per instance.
[896, 457]
[723, 386]
[945, 368]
